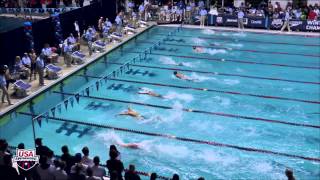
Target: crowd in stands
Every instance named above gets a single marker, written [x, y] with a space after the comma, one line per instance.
[39, 3]
[73, 167]
[80, 166]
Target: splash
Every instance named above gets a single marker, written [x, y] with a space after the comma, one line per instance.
[235, 45]
[198, 41]
[167, 60]
[200, 78]
[215, 157]
[208, 31]
[231, 81]
[214, 51]
[179, 96]
[262, 167]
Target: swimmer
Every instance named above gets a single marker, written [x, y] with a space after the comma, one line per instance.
[150, 93]
[129, 145]
[198, 49]
[182, 76]
[132, 113]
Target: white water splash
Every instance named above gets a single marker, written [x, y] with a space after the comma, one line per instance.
[199, 41]
[169, 61]
[235, 45]
[179, 96]
[199, 78]
[174, 151]
[262, 167]
[214, 157]
[231, 82]
[208, 31]
[214, 51]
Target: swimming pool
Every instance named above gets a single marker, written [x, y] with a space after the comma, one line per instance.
[251, 111]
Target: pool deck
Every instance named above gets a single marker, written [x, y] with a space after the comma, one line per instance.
[66, 71]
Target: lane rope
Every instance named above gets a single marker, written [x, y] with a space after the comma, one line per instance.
[198, 111]
[210, 143]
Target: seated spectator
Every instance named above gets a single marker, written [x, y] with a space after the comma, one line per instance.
[115, 166]
[85, 159]
[7, 172]
[26, 60]
[312, 15]
[90, 175]
[78, 164]
[45, 170]
[67, 158]
[20, 70]
[50, 56]
[74, 42]
[98, 170]
[60, 173]
[131, 174]
[42, 150]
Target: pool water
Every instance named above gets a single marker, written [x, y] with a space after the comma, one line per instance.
[251, 111]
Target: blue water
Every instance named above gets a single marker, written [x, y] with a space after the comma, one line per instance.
[227, 81]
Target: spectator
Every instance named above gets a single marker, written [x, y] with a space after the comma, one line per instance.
[42, 150]
[45, 170]
[200, 178]
[78, 173]
[7, 172]
[240, 19]
[153, 176]
[113, 147]
[131, 173]
[91, 176]
[98, 170]
[203, 14]
[33, 57]
[3, 86]
[40, 69]
[85, 159]
[3, 151]
[90, 38]
[312, 14]
[119, 22]
[115, 165]
[67, 158]
[60, 173]
[175, 177]
[20, 70]
[47, 52]
[67, 49]
[286, 21]
[78, 164]
[289, 174]
[26, 61]
[9, 78]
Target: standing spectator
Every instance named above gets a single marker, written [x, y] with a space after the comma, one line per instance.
[131, 174]
[175, 177]
[76, 28]
[240, 19]
[114, 165]
[9, 78]
[40, 69]
[67, 49]
[45, 170]
[33, 57]
[286, 21]
[119, 22]
[60, 173]
[78, 164]
[3, 151]
[86, 159]
[66, 157]
[153, 176]
[113, 147]
[91, 176]
[141, 11]
[98, 170]
[7, 172]
[203, 14]
[3, 86]
[42, 150]
[289, 174]
[312, 14]
[78, 173]
[89, 37]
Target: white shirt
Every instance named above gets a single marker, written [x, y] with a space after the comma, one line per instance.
[76, 27]
[26, 60]
[60, 174]
[130, 4]
[98, 171]
[87, 161]
[118, 20]
[240, 14]
[141, 8]
[287, 17]
[71, 39]
[203, 12]
[47, 51]
[47, 174]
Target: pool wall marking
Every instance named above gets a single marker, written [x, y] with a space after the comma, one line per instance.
[211, 143]
[197, 111]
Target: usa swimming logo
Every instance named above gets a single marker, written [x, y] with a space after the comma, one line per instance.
[26, 158]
